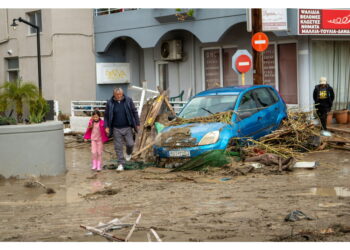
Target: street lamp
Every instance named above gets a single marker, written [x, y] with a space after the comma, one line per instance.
[14, 25]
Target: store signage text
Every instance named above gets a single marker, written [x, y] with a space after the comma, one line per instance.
[324, 22]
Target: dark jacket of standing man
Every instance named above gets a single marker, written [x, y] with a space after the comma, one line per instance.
[323, 97]
[131, 114]
[121, 118]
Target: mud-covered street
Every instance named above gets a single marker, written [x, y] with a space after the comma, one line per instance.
[182, 206]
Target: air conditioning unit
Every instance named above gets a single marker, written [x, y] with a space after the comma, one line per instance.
[171, 50]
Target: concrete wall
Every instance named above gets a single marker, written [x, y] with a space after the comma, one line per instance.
[208, 25]
[67, 53]
[36, 149]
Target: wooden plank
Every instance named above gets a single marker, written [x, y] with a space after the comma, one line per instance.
[152, 115]
[133, 228]
[101, 233]
[156, 235]
[167, 103]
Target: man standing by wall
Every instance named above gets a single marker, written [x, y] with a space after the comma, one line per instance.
[121, 118]
[323, 97]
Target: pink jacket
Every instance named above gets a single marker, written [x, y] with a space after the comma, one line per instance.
[102, 130]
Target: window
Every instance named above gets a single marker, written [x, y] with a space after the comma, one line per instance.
[218, 68]
[248, 104]
[12, 69]
[212, 68]
[263, 97]
[208, 105]
[274, 95]
[34, 18]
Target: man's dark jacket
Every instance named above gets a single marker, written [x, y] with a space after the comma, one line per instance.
[131, 113]
[325, 103]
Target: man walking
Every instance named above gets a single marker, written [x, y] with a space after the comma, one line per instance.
[323, 97]
[121, 118]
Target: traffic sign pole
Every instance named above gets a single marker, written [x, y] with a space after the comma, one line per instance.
[243, 79]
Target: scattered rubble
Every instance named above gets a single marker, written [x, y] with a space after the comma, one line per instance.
[104, 229]
[35, 183]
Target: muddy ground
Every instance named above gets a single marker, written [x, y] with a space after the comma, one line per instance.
[185, 206]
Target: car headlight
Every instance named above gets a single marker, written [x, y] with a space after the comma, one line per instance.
[209, 138]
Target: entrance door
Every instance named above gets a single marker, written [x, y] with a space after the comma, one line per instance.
[163, 75]
[287, 72]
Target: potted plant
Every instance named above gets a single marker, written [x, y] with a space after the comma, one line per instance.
[341, 116]
[28, 149]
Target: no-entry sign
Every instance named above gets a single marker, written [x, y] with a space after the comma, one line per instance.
[260, 41]
[243, 63]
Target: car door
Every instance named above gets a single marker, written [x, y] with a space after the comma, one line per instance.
[248, 119]
[267, 108]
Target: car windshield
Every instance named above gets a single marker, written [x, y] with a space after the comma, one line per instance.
[208, 105]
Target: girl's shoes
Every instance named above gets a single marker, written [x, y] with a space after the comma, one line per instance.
[94, 165]
[98, 166]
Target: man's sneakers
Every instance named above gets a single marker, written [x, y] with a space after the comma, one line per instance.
[128, 157]
[120, 167]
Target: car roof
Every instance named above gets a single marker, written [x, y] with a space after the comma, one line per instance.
[232, 90]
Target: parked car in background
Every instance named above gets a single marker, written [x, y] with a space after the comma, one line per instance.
[257, 111]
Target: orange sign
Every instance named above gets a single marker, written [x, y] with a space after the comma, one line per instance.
[260, 41]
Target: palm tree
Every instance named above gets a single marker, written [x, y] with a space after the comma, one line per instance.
[16, 94]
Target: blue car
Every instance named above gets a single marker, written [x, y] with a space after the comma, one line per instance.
[257, 111]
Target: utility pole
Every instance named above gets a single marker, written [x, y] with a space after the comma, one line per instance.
[257, 56]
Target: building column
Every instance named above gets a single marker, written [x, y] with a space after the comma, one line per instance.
[304, 87]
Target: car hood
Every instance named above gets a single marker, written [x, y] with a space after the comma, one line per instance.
[198, 130]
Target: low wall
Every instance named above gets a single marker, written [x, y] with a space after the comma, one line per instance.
[78, 124]
[35, 149]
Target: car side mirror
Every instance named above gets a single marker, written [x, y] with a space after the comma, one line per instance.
[171, 117]
[244, 115]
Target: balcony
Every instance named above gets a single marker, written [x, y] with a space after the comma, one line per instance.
[109, 11]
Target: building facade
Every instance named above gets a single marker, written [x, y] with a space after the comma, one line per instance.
[67, 52]
[196, 53]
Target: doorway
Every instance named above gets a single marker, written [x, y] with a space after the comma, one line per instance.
[162, 75]
[287, 72]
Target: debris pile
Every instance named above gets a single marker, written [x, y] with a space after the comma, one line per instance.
[218, 117]
[296, 135]
[154, 110]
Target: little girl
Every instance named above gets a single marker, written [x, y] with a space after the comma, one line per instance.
[98, 136]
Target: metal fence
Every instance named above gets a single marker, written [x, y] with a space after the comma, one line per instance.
[108, 11]
[85, 108]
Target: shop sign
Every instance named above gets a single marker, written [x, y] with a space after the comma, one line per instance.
[274, 19]
[323, 22]
[109, 73]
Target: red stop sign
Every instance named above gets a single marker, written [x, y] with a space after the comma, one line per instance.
[260, 41]
[243, 63]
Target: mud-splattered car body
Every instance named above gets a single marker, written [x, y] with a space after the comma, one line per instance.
[257, 111]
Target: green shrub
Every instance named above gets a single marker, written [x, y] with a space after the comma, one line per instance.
[7, 120]
[15, 94]
[38, 109]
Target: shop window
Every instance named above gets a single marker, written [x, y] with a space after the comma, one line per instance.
[212, 68]
[34, 18]
[269, 67]
[218, 68]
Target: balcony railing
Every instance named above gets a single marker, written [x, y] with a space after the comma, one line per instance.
[108, 11]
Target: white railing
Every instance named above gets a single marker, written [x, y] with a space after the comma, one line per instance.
[108, 11]
[85, 108]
